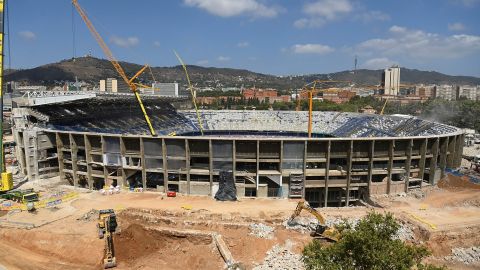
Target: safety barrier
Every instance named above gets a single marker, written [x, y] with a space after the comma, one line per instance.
[52, 201]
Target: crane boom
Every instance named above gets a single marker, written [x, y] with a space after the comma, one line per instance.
[115, 63]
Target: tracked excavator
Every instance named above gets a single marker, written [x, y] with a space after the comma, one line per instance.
[107, 224]
[322, 230]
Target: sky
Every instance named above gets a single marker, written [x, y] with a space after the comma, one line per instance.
[280, 37]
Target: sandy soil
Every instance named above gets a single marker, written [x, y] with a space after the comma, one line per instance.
[64, 239]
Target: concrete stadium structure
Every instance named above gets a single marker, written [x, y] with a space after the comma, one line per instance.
[98, 142]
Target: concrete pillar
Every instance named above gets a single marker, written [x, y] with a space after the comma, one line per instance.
[165, 165]
[371, 154]
[459, 150]
[327, 171]
[452, 144]
[60, 157]
[390, 164]
[210, 165]
[142, 157]
[421, 164]
[349, 170]
[408, 163]
[258, 164]
[187, 164]
[74, 149]
[433, 161]
[304, 168]
[443, 155]
[88, 156]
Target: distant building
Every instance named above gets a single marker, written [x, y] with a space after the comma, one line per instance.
[165, 89]
[425, 90]
[447, 92]
[260, 94]
[338, 95]
[226, 89]
[469, 92]
[391, 80]
[112, 85]
[31, 88]
[102, 86]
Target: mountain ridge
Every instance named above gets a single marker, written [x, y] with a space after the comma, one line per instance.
[91, 70]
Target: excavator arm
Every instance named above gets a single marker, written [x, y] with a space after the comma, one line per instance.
[321, 230]
[109, 259]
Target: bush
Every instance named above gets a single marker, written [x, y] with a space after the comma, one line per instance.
[369, 245]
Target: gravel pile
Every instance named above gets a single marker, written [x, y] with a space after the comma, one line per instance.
[261, 230]
[90, 215]
[280, 257]
[465, 255]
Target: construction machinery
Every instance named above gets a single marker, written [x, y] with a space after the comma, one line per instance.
[130, 82]
[321, 231]
[21, 196]
[107, 224]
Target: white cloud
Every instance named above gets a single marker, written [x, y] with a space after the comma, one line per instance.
[124, 42]
[243, 44]
[321, 11]
[156, 43]
[230, 8]
[311, 49]
[372, 15]
[456, 26]
[202, 62]
[417, 45]
[223, 58]
[27, 35]
[378, 63]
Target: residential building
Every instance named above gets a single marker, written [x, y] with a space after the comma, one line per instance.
[391, 80]
[428, 91]
[469, 92]
[166, 89]
[447, 92]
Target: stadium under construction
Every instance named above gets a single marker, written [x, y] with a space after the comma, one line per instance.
[99, 141]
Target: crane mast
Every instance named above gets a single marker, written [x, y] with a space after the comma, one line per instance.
[115, 63]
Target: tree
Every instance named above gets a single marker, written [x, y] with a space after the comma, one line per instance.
[368, 245]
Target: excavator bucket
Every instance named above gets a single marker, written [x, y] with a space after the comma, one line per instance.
[331, 234]
[109, 263]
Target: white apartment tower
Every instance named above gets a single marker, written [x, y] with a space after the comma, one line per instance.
[392, 80]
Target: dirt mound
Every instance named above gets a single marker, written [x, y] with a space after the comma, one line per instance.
[140, 247]
[457, 182]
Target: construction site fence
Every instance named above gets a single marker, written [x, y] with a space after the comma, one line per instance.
[45, 203]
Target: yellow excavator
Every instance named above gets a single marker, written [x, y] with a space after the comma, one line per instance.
[107, 224]
[322, 230]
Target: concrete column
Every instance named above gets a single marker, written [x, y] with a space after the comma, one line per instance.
[443, 156]
[165, 165]
[210, 165]
[349, 171]
[88, 157]
[60, 157]
[74, 149]
[187, 163]
[258, 163]
[451, 152]
[408, 163]
[459, 151]
[327, 171]
[122, 154]
[142, 157]
[421, 164]
[304, 168]
[390, 164]
[234, 161]
[433, 161]
[370, 164]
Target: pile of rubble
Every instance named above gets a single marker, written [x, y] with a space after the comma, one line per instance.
[280, 257]
[307, 225]
[465, 255]
[261, 230]
[90, 215]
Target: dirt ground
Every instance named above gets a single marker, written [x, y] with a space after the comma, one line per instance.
[157, 232]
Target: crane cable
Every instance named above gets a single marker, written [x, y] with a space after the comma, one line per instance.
[191, 91]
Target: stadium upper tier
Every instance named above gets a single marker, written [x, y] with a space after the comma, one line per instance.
[335, 124]
[111, 115]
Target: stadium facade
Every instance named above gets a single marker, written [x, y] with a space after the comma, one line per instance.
[96, 142]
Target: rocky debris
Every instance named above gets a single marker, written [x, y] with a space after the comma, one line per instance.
[465, 255]
[92, 214]
[280, 257]
[261, 230]
[307, 225]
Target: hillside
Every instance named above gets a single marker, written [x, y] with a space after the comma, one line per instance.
[92, 69]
